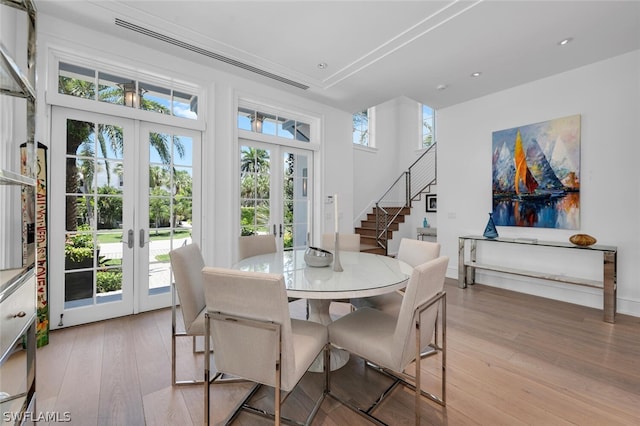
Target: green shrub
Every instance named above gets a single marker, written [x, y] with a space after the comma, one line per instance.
[108, 281]
[78, 254]
[287, 240]
[79, 246]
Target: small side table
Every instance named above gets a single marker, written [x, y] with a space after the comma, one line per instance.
[427, 232]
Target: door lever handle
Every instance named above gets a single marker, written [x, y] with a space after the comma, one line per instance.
[141, 238]
[129, 241]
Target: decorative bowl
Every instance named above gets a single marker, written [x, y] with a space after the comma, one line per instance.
[582, 240]
[317, 257]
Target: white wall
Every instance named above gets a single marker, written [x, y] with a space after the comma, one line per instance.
[397, 129]
[607, 95]
[374, 168]
[220, 159]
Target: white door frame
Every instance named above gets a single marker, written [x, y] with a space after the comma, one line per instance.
[135, 289]
[144, 299]
[61, 316]
[276, 217]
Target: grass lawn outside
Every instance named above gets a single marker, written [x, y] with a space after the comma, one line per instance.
[162, 234]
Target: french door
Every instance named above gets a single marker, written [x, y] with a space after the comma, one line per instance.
[276, 192]
[168, 197]
[127, 200]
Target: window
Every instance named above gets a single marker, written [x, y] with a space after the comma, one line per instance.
[361, 128]
[273, 124]
[82, 82]
[428, 126]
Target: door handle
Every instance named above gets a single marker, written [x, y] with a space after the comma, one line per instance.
[280, 230]
[142, 238]
[129, 241]
[274, 230]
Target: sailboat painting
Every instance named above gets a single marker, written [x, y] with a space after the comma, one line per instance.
[536, 175]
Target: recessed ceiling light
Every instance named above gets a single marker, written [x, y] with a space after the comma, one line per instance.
[565, 41]
[322, 65]
[476, 74]
[441, 86]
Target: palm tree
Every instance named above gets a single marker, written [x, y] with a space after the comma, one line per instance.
[159, 206]
[183, 183]
[254, 168]
[119, 171]
[114, 135]
[87, 167]
[254, 180]
[159, 177]
[254, 160]
[78, 132]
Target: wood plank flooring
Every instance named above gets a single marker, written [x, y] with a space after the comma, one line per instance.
[512, 359]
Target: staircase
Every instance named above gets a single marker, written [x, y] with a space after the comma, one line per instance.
[368, 230]
[390, 210]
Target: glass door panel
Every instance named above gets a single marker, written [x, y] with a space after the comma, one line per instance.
[275, 192]
[129, 200]
[255, 190]
[93, 265]
[296, 198]
[93, 251]
[166, 216]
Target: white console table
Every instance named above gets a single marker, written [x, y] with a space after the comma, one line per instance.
[467, 267]
[426, 232]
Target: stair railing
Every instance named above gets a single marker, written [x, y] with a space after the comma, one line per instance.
[408, 187]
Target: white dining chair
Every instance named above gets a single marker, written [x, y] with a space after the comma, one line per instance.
[347, 242]
[416, 252]
[413, 252]
[186, 265]
[392, 343]
[255, 338]
[254, 245]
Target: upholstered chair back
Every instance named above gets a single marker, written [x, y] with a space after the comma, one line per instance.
[247, 351]
[254, 245]
[187, 264]
[426, 281]
[348, 242]
[416, 252]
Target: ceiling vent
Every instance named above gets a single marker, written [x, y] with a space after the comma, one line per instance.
[210, 54]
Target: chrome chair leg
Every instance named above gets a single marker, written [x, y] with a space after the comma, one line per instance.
[411, 382]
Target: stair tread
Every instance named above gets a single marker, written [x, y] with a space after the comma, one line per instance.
[367, 246]
[368, 243]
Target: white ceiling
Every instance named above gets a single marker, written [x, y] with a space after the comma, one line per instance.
[377, 50]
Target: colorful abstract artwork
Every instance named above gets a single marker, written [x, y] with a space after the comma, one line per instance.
[42, 263]
[40, 238]
[536, 175]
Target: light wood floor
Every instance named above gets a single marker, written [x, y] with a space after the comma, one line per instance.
[512, 359]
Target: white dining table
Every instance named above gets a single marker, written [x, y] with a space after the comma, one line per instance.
[363, 275]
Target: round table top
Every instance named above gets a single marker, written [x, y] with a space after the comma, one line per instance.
[364, 274]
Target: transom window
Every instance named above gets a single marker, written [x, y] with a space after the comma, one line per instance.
[273, 124]
[428, 126]
[93, 84]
